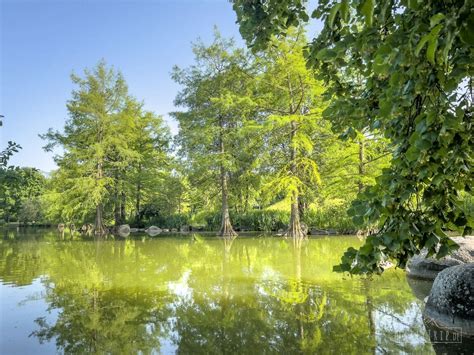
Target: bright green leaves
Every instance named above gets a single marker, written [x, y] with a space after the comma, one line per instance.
[367, 9]
[107, 136]
[431, 49]
[432, 40]
[342, 9]
[383, 59]
[429, 131]
[326, 55]
[436, 19]
[288, 88]
[332, 14]
[414, 4]
[260, 20]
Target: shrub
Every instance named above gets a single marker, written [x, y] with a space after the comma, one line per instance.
[326, 217]
[330, 217]
[255, 220]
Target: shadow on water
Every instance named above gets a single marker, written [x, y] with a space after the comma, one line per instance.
[197, 294]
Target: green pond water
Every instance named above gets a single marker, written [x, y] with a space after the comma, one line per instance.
[191, 295]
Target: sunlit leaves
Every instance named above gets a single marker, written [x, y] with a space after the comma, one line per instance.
[106, 136]
[367, 9]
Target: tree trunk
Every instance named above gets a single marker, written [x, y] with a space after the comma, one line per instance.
[226, 225]
[302, 207]
[361, 165]
[99, 221]
[138, 195]
[246, 206]
[116, 203]
[123, 204]
[294, 229]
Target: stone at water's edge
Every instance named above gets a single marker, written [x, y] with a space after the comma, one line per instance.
[451, 300]
[123, 230]
[153, 231]
[427, 268]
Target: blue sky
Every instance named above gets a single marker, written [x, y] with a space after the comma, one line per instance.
[44, 41]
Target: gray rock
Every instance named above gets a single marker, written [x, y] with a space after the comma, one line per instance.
[123, 230]
[450, 304]
[153, 231]
[421, 267]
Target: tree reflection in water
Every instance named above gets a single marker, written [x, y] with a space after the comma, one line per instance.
[202, 295]
[95, 316]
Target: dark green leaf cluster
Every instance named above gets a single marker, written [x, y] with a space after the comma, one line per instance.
[261, 19]
[6, 154]
[404, 68]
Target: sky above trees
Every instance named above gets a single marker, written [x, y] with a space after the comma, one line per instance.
[43, 42]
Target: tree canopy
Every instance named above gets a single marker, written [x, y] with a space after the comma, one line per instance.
[107, 137]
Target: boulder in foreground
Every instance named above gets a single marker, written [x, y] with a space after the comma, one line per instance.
[421, 267]
[451, 301]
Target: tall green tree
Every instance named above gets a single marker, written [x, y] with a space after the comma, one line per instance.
[217, 97]
[291, 100]
[95, 141]
[416, 63]
[351, 165]
[146, 175]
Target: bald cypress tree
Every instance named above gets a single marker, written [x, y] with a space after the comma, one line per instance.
[94, 141]
[216, 95]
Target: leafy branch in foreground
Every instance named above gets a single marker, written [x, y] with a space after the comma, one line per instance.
[6, 154]
[414, 61]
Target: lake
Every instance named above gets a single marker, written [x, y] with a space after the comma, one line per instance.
[199, 294]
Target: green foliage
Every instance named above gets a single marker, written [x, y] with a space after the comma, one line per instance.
[107, 142]
[95, 139]
[290, 102]
[19, 186]
[260, 20]
[11, 149]
[404, 68]
[31, 211]
[331, 217]
[6, 154]
[216, 96]
[255, 220]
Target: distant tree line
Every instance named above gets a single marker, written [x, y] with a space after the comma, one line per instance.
[252, 146]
